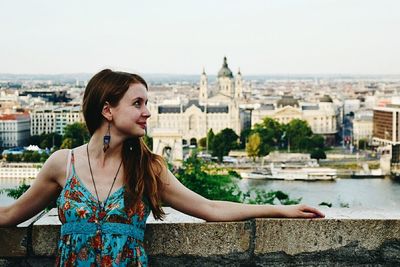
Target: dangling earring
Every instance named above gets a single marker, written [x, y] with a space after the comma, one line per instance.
[107, 139]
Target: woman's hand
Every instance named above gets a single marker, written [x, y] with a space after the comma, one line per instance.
[301, 211]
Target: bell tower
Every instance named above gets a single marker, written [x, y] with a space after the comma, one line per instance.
[203, 92]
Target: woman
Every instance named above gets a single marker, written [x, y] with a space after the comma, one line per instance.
[106, 188]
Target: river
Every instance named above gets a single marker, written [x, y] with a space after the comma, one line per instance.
[368, 193]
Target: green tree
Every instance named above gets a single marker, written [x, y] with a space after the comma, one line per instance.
[298, 134]
[253, 146]
[67, 143]
[194, 176]
[203, 142]
[317, 141]
[362, 144]
[18, 191]
[35, 140]
[76, 133]
[318, 154]
[50, 140]
[244, 135]
[199, 177]
[43, 157]
[223, 142]
[270, 132]
[35, 157]
[14, 158]
[27, 156]
[210, 139]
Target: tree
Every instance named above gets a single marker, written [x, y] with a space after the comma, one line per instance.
[210, 139]
[317, 141]
[203, 142]
[362, 144]
[194, 176]
[76, 134]
[270, 132]
[67, 143]
[244, 135]
[34, 140]
[253, 146]
[298, 133]
[223, 142]
[318, 154]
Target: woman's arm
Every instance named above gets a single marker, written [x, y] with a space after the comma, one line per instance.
[181, 198]
[44, 189]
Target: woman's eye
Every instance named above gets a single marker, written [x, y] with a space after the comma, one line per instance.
[136, 104]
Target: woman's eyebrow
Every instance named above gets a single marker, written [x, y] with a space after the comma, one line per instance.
[139, 98]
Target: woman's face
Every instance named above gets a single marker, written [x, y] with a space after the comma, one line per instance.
[131, 113]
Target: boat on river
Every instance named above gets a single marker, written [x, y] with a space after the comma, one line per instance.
[292, 172]
[257, 175]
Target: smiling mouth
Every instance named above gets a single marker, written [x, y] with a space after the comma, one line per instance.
[142, 125]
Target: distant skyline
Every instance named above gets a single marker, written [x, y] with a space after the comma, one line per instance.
[181, 37]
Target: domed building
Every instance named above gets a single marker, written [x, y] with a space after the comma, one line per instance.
[216, 108]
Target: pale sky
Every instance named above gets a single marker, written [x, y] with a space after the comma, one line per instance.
[183, 36]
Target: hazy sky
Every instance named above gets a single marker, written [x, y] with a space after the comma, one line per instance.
[182, 36]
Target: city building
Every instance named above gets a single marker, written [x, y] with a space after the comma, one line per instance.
[17, 171]
[323, 117]
[53, 119]
[14, 129]
[386, 122]
[216, 108]
[363, 127]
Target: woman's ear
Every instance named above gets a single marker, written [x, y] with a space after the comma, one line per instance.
[106, 111]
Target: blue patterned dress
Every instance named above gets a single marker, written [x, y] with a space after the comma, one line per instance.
[93, 238]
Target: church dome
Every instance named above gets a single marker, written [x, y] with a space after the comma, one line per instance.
[287, 100]
[326, 98]
[225, 71]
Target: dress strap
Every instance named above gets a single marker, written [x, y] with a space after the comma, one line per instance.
[70, 162]
[68, 165]
[73, 160]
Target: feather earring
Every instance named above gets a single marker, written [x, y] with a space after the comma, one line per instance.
[107, 139]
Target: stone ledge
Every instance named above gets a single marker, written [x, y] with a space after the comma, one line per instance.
[18, 245]
[345, 237]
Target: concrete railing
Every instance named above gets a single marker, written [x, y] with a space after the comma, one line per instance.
[345, 237]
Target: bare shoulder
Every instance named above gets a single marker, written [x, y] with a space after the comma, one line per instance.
[56, 165]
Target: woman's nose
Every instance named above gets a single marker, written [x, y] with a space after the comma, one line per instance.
[146, 113]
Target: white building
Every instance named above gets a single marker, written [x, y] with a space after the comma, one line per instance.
[14, 129]
[54, 119]
[11, 172]
[323, 117]
[216, 108]
[363, 127]
[351, 105]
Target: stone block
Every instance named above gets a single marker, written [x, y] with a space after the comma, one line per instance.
[45, 235]
[295, 236]
[198, 239]
[13, 242]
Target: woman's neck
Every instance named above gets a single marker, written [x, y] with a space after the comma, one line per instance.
[96, 145]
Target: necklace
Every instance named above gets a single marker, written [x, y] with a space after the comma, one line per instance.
[101, 206]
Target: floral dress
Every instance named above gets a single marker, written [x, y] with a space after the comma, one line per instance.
[90, 237]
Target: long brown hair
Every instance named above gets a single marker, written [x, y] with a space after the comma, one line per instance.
[142, 167]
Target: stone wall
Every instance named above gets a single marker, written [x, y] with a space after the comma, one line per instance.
[346, 237]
